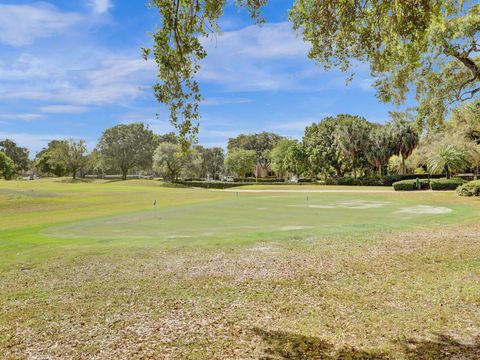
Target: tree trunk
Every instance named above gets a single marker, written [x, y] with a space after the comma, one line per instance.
[402, 169]
[74, 174]
[124, 174]
[380, 171]
[477, 170]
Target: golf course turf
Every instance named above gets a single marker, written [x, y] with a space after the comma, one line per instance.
[91, 269]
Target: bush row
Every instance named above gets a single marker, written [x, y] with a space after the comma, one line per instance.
[387, 180]
[230, 184]
[434, 184]
[212, 184]
[446, 184]
[471, 188]
[410, 185]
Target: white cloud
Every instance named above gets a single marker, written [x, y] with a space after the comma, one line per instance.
[298, 125]
[63, 109]
[34, 142]
[21, 116]
[270, 57]
[213, 101]
[20, 25]
[100, 6]
[112, 80]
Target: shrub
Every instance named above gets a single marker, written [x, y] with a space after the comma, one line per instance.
[446, 184]
[270, 180]
[387, 180]
[471, 188]
[410, 185]
[223, 184]
[211, 185]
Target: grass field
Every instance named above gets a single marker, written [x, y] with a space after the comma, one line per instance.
[93, 270]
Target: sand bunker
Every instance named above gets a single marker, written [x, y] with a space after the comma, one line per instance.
[425, 209]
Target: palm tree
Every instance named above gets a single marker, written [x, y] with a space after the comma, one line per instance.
[380, 148]
[351, 139]
[448, 159]
[473, 156]
[405, 140]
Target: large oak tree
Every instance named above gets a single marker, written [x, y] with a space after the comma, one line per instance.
[430, 47]
[128, 146]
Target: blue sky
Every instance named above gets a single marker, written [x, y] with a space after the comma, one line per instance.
[70, 69]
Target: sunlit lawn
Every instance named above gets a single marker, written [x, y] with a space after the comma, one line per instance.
[93, 270]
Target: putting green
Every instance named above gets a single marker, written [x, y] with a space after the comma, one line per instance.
[273, 215]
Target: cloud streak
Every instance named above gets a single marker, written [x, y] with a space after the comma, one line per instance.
[20, 25]
[100, 6]
[63, 109]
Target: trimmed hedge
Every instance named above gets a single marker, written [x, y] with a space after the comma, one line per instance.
[212, 184]
[446, 184]
[387, 180]
[471, 188]
[434, 184]
[410, 185]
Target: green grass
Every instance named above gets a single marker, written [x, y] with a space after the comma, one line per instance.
[90, 269]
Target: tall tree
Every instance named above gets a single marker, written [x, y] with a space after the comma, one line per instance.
[297, 161]
[19, 155]
[473, 156]
[351, 138]
[405, 138]
[447, 159]
[262, 143]
[213, 161]
[168, 160]
[7, 166]
[319, 141]
[168, 137]
[278, 156]
[72, 154]
[47, 163]
[430, 45]
[178, 50]
[380, 147]
[94, 163]
[240, 162]
[128, 146]
[466, 119]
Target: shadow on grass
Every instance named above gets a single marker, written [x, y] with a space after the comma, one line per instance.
[284, 345]
[441, 347]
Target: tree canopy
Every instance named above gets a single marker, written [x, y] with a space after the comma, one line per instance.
[240, 161]
[262, 143]
[168, 160]
[18, 155]
[429, 47]
[7, 166]
[128, 146]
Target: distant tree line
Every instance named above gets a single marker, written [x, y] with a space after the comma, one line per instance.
[340, 146]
